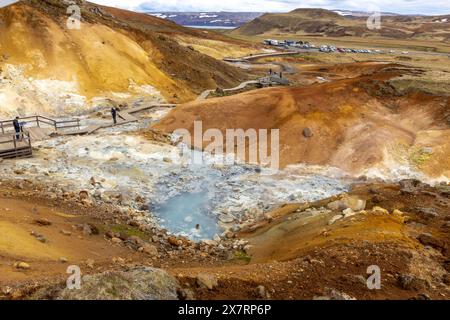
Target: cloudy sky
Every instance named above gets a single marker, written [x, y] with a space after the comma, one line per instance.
[399, 6]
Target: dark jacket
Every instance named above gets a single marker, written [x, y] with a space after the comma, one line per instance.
[114, 112]
[16, 125]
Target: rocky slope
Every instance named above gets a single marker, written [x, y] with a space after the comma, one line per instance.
[362, 124]
[328, 23]
[49, 68]
[287, 254]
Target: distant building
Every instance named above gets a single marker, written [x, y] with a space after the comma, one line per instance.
[271, 42]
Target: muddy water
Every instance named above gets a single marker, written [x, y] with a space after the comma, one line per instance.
[187, 214]
[180, 196]
[215, 198]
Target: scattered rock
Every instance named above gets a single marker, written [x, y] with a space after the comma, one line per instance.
[410, 282]
[135, 240]
[118, 260]
[446, 279]
[90, 263]
[207, 281]
[174, 242]
[42, 222]
[225, 218]
[83, 195]
[89, 229]
[186, 294]
[39, 237]
[19, 171]
[111, 234]
[134, 223]
[116, 240]
[422, 296]
[230, 235]
[348, 212]
[66, 233]
[149, 249]
[137, 284]
[307, 133]
[22, 265]
[139, 199]
[336, 205]
[63, 260]
[428, 240]
[353, 203]
[333, 294]
[427, 213]
[335, 218]
[262, 293]
[379, 210]
[411, 186]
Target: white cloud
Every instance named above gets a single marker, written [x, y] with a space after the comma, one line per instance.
[400, 6]
[4, 3]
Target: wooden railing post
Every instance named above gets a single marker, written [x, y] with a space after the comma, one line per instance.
[37, 121]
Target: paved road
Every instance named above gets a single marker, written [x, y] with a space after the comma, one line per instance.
[261, 55]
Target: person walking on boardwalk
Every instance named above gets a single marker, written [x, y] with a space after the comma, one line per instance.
[17, 128]
[114, 114]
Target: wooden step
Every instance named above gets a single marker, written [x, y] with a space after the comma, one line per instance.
[17, 153]
[126, 117]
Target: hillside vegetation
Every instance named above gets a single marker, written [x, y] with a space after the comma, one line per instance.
[327, 23]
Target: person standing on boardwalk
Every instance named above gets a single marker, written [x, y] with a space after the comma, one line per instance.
[114, 114]
[17, 128]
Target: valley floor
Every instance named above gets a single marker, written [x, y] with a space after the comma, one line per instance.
[297, 253]
[304, 232]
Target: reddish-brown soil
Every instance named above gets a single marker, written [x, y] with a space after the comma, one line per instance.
[140, 44]
[354, 121]
[293, 255]
[298, 257]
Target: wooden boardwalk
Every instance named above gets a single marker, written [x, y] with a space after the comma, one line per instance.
[124, 117]
[39, 128]
[12, 146]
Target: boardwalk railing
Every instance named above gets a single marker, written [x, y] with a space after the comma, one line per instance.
[15, 146]
[7, 125]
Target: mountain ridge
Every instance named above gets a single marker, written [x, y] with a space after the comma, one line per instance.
[322, 22]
